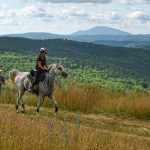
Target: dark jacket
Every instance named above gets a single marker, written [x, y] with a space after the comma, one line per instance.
[42, 60]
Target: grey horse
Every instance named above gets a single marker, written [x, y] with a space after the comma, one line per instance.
[46, 87]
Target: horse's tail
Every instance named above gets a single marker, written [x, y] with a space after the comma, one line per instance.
[12, 74]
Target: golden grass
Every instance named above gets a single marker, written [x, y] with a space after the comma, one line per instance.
[22, 132]
[92, 99]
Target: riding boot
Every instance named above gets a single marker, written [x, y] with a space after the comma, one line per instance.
[36, 75]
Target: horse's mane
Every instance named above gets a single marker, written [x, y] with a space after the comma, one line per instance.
[50, 66]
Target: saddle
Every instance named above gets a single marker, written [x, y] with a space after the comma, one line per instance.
[32, 77]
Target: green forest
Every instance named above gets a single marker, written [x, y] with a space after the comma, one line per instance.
[116, 68]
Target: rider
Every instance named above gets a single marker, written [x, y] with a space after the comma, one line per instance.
[41, 66]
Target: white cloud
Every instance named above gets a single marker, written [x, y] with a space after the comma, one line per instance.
[104, 17]
[5, 14]
[139, 15]
[86, 14]
[75, 12]
[93, 1]
[42, 16]
[26, 14]
[75, 1]
[41, 13]
[133, 1]
[34, 11]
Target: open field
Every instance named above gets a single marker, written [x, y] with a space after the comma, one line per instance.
[89, 118]
[70, 130]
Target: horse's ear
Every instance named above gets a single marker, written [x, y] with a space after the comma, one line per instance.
[58, 62]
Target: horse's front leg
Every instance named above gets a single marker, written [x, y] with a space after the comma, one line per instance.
[54, 102]
[40, 101]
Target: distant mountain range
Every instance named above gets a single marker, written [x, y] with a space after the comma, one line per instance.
[101, 30]
[99, 35]
[132, 44]
[35, 35]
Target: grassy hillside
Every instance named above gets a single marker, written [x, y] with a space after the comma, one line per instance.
[89, 117]
[68, 130]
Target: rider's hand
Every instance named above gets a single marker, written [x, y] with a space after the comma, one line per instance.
[45, 70]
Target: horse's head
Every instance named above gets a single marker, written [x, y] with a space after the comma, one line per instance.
[58, 69]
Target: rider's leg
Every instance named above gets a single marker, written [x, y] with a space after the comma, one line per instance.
[35, 81]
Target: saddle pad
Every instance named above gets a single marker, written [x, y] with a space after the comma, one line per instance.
[20, 76]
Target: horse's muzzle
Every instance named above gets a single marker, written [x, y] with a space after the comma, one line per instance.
[65, 74]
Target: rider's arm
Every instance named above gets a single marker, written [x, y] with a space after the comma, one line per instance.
[46, 65]
[40, 66]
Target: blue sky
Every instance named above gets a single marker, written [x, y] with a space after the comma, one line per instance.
[66, 16]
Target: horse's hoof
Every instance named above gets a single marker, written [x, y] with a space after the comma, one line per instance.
[16, 106]
[37, 111]
[56, 109]
[23, 111]
[23, 108]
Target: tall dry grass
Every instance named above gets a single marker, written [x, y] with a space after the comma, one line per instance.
[91, 99]
[21, 132]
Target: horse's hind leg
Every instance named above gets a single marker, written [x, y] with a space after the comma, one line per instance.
[19, 102]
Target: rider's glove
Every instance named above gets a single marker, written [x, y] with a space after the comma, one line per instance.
[45, 70]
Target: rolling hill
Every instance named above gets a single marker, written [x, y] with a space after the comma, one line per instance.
[129, 61]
